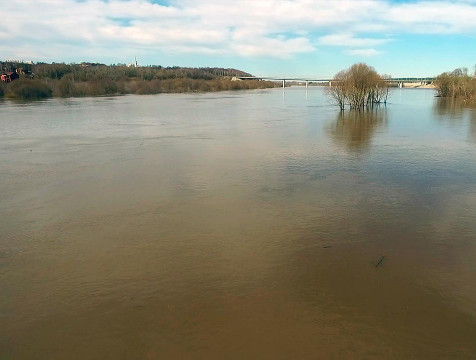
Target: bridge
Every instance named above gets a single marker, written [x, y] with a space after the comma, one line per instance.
[399, 80]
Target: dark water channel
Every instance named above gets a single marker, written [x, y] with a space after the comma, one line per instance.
[242, 225]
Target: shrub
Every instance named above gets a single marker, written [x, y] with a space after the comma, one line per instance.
[65, 87]
[28, 89]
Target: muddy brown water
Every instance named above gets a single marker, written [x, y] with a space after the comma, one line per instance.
[241, 225]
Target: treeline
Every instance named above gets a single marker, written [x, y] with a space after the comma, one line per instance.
[89, 71]
[66, 80]
[359, 86]
[457, 84]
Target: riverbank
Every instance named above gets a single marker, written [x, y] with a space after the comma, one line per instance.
[76, 80]
[38, 89]
[419, 86]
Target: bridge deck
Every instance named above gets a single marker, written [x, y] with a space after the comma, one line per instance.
[273, 78]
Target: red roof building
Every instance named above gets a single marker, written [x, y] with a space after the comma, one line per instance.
[9, 76]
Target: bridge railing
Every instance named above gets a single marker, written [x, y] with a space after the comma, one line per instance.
[308, 81]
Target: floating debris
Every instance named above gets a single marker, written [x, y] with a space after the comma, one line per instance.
[380, 262]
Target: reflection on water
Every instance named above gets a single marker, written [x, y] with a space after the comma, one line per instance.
[355, 129]
[472, 124]
[456, 113]
[449, 108]
[227, 226]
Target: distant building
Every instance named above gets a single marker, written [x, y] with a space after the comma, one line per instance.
[135, 64]
[87, 64]
[9, 76]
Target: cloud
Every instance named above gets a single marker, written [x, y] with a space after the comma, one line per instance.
[364, 52]
[349, 40]
[243, 28]
[278, 48]
[434, 17]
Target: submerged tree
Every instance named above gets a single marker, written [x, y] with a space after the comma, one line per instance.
[360, 87]
[457, 84]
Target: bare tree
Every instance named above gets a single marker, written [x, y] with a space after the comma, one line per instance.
[339, 90]
[360, 87]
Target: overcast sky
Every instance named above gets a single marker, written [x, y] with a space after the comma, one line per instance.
[264, 37]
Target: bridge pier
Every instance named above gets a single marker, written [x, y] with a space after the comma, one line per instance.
[330, 83]
[307, 84]
[284, 83]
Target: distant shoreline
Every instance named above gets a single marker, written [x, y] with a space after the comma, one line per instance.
[249, 85]
[405, 86]
[39, 81]
[416, 86]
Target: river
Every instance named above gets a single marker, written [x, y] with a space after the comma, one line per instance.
[238, 225]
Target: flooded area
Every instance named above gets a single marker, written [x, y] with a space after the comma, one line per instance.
[239, 225]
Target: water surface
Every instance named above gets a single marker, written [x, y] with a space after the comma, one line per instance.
[237, 225]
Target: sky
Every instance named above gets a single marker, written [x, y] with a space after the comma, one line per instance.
[301, 38]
